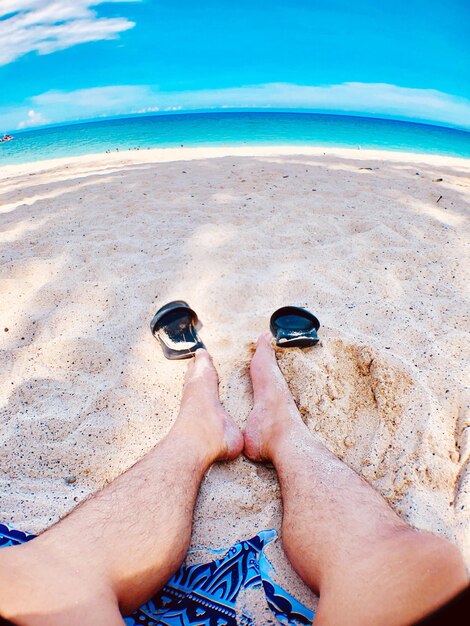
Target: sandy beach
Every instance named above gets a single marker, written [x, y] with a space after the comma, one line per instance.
[372, 242]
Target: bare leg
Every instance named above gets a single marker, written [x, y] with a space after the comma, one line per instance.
[116, 550]
[343, 539]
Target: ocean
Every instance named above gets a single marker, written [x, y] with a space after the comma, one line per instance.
[232, 128]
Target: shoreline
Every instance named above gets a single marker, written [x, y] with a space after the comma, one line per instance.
[165, 155]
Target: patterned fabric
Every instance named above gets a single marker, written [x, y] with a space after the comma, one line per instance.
[206, 594]
[10, 537]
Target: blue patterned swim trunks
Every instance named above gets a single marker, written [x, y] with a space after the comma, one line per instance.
[206, 594]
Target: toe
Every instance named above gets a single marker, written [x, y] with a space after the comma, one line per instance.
[265, 340]
[201, 366]
[201, 353]
[263, 360]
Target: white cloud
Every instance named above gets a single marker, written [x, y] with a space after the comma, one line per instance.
[148, 110]
[374, 99]
[33, 119]
[45, 26]
[381, 99]
[118, 99]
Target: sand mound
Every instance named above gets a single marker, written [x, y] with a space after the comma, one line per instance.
[90, 248]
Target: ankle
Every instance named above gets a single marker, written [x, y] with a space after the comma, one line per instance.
[273, 424]
[192, 444]
[284, 434]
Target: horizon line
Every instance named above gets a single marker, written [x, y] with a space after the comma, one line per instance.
[227, 110]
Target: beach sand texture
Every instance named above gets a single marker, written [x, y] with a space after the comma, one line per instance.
[372, 242]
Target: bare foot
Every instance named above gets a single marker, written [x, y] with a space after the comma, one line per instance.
[274, 411]
[202, 415]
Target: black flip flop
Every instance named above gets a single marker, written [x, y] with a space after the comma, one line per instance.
[174, 325]
[294, 327]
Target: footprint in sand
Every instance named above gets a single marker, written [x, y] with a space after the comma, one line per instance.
[353, 397]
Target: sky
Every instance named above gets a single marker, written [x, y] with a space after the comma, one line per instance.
[69, 60]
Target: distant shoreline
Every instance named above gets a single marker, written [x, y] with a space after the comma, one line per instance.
[164, 155]
[250, 130]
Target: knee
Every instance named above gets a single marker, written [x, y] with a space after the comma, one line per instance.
[403, 576]
[430, 551]
[433, 566]
[31, 584]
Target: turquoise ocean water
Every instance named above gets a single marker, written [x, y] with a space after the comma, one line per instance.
[232, 128]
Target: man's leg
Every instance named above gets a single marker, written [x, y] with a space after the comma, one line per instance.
[341, 536]
[117, 549]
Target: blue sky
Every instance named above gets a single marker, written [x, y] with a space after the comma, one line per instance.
[66, 60]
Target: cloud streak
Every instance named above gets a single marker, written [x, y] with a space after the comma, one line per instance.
[45, 26]
[374, 99]
[33, 120]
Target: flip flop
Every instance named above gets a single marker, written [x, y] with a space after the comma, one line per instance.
[294, 327]
[174, 325]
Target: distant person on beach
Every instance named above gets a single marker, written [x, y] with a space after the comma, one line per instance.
[367, 565]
